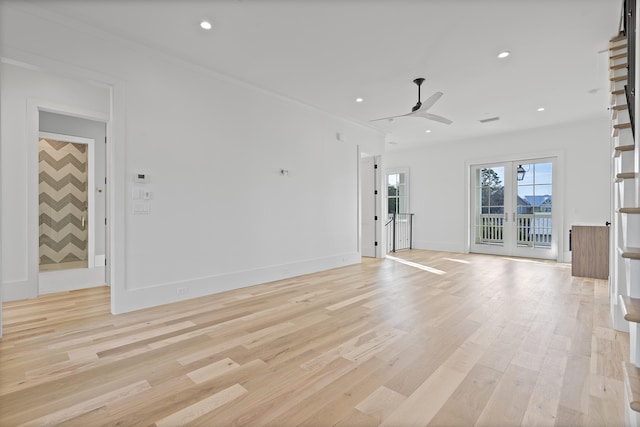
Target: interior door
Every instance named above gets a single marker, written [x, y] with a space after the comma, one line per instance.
[368, 206]
[512, 209]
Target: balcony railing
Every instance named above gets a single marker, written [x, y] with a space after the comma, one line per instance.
[399, 229]
[531, 229]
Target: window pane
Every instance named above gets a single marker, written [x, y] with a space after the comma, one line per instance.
[397, 197]
[392, 203]
[535, 205]
[543, 174]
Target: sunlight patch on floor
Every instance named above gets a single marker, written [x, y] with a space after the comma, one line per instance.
[461, 261]
[532, 261]
[544, 262]
[416, 265]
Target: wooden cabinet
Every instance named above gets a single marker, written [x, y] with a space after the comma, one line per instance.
[590, 251]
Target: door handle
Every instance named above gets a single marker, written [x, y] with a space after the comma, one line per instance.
[607, 223]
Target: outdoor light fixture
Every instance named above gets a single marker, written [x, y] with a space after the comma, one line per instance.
[520, 171]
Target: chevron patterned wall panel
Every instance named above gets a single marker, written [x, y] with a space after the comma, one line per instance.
[63, 202]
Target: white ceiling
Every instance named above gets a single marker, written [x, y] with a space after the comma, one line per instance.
[326, 53]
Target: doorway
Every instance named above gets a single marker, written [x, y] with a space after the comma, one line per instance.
[71, 203]
[66, 206]
[512, 208]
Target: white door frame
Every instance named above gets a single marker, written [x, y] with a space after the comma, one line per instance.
[55, 281]
[394, 171]
[556, 158]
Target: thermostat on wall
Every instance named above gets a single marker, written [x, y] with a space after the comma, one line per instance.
[141, 178]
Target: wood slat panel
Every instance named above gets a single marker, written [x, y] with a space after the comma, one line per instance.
[618, 47]
[630, 308]
[622, 148]
[632, 381]
[622, 126]
[619, 66]
[631, 253]
[618, 78]
[626, 175]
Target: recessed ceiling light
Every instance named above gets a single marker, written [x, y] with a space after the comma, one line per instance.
[206, 25]
[504, 54]
[428, 131]
[541, 109]
[359, 99]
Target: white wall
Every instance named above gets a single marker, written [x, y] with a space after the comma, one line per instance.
[438, 174]
[221, 215]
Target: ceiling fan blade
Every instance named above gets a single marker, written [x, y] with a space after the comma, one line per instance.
[435, 117]
[392, 117]
[422, 110]
[428, 103]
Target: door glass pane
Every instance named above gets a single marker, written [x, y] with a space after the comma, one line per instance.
[534, 224]
[489, 215]
[62, 204]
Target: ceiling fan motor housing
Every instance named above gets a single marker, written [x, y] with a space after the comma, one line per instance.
[418, 81]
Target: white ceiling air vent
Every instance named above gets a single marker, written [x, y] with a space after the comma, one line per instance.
[490, 119]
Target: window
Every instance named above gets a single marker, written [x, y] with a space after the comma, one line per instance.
[397, 192]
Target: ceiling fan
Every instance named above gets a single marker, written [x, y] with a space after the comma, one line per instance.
[420, 109]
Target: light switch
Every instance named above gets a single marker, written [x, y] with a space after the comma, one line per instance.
[137, 193]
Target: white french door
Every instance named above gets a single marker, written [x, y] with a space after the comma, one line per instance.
[512, 209]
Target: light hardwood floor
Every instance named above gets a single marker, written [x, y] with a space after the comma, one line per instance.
[430, 338]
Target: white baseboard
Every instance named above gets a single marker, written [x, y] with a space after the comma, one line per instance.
[438, 246]
[165, 293]
[19, 290]
[70, 280]
[99, 260]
